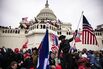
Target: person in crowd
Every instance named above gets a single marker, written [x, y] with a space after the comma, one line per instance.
[97, 62]
[13, 65]
[8, 58]
[35, 57]
[1, 58]
[4, 50]
[92, 58]
[101, 58]
[83, 63]
[18, 56]
[27, 61]
[84, 59]
[84, 53]
[52, 61]
[65, 47]
[75, 57]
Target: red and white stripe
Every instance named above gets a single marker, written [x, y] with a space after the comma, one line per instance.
[88, 36]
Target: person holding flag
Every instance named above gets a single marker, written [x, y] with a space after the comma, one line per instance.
[65, 47]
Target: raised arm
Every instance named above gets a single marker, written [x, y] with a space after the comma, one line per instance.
[75, 34]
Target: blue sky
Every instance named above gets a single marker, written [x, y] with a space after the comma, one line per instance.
[11, 11]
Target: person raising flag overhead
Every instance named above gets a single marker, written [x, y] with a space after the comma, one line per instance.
[88, 36]
[65, 48]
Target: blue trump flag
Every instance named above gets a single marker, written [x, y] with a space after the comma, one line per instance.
[43, 59]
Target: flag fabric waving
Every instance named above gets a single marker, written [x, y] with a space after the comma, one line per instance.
[77, 38]
[88, 36]
[43, 59]
[54, 39]
[25, 45]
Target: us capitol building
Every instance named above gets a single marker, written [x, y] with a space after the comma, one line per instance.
[34, 30]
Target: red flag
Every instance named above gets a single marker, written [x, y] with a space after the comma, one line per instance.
[88, 36]
[25, 45]
[77, 38]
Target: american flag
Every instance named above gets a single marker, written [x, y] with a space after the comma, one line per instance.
[88, 36]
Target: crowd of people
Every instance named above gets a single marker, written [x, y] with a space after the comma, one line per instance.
[81, 59]
[63, 58]
[18, 59]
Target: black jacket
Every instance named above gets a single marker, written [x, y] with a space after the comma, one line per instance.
[64, 46]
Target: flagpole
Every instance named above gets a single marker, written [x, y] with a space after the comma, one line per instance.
[78, 26]
[80, 19]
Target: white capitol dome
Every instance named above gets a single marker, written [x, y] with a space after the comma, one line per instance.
[46, 13]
